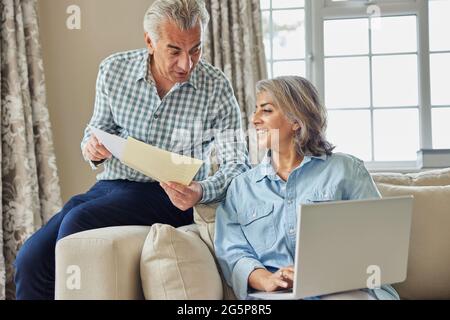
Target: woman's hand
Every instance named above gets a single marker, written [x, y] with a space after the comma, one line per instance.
[287, 275]
[264, 280]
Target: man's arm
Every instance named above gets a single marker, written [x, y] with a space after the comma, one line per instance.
[232, 156]
[231, 147]
[101, 119]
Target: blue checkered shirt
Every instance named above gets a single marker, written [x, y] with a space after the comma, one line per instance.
[192, 119]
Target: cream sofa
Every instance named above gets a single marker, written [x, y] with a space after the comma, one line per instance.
[161, 262]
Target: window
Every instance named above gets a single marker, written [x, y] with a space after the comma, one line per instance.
[284, 36]
[381, 78]
[371, 74]
[440, 72]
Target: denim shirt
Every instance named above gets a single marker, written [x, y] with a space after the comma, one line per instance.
[256, 223]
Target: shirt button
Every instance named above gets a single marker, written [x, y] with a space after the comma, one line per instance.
[292, 231]
[156, 117]
[289, 202]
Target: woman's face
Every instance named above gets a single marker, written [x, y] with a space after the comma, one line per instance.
[274, 130]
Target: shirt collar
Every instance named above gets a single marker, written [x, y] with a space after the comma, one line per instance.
[266, 170]
[143, 68]
[145, 73]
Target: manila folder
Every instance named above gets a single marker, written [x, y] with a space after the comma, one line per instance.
[158, 164]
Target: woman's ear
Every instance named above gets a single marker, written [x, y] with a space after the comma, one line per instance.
[296, 126]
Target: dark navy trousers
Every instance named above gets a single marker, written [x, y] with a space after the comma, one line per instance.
[106, 204]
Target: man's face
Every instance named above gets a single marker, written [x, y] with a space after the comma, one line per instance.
[176, 53]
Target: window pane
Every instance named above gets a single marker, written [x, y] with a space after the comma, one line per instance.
[289, 34]
[394, 34]
[396, 134]
[441, 128]
[269, 70]
[285, 68]
[354, 139]
[266, 33]
[265, 4]
[346, 37]
[287, 3]
[347, 83]
[440, 79]
[395, 81]
[439, 25]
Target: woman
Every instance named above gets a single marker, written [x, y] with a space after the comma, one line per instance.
[255, 225]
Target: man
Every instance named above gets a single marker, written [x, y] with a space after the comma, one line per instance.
[162, 95]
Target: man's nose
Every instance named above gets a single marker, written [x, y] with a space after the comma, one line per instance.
[185, 62]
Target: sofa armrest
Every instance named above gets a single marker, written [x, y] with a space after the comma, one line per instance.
[100, 264]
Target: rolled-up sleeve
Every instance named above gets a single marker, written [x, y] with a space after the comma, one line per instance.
[230, 145]
[361, 184]
[102, 117]
[235, 255]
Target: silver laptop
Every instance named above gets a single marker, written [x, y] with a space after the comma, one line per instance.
[340, 245]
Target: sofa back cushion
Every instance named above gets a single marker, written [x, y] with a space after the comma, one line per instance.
[205, 217]
[177, 265]
[429, 252]
[439, 177]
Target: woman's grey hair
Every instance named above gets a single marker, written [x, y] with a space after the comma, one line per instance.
[299, 101]
[185, 13]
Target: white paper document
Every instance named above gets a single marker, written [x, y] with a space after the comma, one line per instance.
[156, 163]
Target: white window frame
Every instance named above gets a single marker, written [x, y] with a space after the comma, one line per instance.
[321, 10]
[438, 106]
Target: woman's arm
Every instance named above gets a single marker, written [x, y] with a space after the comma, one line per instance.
[235, 255]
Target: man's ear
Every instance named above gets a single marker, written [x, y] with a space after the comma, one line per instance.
[296, 126]
[149, 43]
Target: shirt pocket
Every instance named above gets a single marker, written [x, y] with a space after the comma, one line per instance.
[258, 226]
[324, 195]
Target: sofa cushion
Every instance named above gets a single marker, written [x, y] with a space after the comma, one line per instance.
[439, 177]
[429, 255]
[175, 264]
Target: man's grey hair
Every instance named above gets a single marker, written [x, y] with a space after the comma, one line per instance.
[185, 13]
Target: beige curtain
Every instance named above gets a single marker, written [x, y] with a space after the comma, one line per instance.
[234, 43]
[30, 192]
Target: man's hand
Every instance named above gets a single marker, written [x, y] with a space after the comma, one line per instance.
[95, 151]
[263, 280]
[183, 197]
